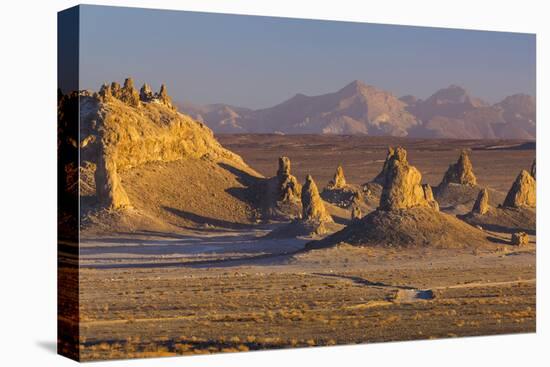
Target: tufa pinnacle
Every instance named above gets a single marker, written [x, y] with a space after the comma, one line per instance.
[313, 210]
[460, 172]
[402, 188]
[522, 193]
[481, 205]
[339, 181]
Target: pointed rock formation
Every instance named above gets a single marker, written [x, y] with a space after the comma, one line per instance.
[105, 92]
[520, 239]
[313, 209]
[146, 93]
[163, 96]
[481, 206]
[356, 214]
[402, 188]
[339, 180]
[429, 196]
[461, 172]
[534, 169]
[381, 177]
[289, 188]
[522, 193]
[110, 192]
[116, 91]
[129, 94]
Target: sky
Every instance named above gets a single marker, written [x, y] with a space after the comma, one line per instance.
[256, 62]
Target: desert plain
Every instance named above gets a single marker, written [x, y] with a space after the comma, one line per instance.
[225, 288]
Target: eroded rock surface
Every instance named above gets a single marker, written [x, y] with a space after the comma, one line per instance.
[381, 177]
[402, 188]
[313, 209]
[339, 180]
[461, 172]
[289, 188]
[481, 205]
[522, 193]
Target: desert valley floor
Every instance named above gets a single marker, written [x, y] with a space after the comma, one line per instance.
[222, 288]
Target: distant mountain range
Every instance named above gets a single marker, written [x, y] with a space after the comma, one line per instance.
[359, 108]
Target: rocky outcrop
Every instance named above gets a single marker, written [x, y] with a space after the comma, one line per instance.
[105, 92]
[313, 209]
[461, 172]
[340, 193]
[522, 193]
[534, 169]
[288, 186]
[402, 187]
[129, 94]
[481, 205]
[339, 180]
[163, 96]
[520, 239]
[116, 91]
[118, 132]
[146, 93]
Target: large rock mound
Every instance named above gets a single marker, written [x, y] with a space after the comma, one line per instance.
[415, 227]
[122, 131]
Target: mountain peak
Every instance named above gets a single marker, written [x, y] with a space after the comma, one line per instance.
[355, 85]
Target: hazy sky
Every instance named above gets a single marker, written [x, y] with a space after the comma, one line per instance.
[261, 61]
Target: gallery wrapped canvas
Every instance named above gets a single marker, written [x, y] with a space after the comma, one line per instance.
[230, 183]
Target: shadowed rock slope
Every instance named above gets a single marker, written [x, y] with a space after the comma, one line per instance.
[144, 165]
[407, 216]
[517, 212]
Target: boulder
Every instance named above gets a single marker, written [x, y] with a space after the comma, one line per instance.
[402, 184]
[481, 205]
[522, 193]
[520, 239]
[460, 172]
[313, 209]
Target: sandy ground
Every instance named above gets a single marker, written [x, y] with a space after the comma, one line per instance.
[216, 289]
